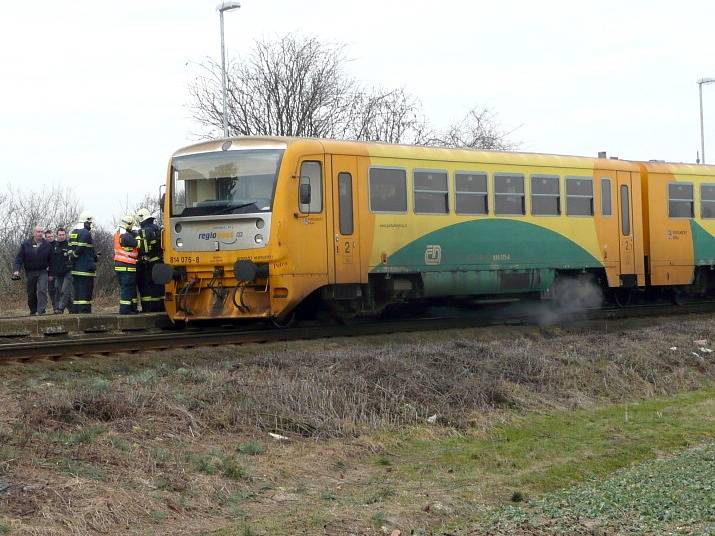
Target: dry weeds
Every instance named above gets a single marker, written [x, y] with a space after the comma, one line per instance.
[131, 446]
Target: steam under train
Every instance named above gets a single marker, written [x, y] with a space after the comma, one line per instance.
[259, 227]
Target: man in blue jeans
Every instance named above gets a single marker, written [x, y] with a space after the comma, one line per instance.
[34, 257]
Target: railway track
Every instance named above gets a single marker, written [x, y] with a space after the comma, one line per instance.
[102, 345]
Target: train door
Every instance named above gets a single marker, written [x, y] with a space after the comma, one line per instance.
[346, 240]
[625, 219]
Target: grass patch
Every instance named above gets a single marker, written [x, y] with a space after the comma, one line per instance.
[75, 468]
[380, 495]
[541, 453]
[674, 495]
[230, 468]
[4, 529]
[378, 519]
[158, 516]
[120, 444]
[251, 448]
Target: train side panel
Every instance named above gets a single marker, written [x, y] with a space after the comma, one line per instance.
[457, 254]
[682, 220]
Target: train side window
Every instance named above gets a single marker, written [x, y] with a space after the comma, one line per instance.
[625, 211]
[545, 195]
[707, 201]
[310, 188]
[579, 196]
[470, 193]
[388, 190]
[680, 200]
[606, 197]
[509, 194]
[345, 202]
[430, 191]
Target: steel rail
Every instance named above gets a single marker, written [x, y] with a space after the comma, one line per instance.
[56, 347]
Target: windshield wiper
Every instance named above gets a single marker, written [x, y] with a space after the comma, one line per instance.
[230, 208]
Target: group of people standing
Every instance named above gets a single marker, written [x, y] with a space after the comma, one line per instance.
[47, 268]
[67, 267]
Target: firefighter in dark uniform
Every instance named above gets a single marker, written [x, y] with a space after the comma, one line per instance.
[84, 264]
[126, 255]
[152, 295]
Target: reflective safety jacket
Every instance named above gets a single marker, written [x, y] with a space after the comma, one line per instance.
[81, 252]
[150, 241]
[126, 251]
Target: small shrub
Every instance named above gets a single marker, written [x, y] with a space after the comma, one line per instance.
[251, 448]
[158, 516]
[378, 519]
[329, 495]
[383, 461]
[87, 435]
[232, 469]
[380, 496]
[120, 444]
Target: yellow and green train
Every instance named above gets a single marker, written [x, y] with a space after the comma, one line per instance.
[257, 227]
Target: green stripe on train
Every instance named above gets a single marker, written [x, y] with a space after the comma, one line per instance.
[488, 256]
[703, 245]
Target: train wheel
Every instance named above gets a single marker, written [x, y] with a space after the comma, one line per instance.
[285, 323]
[622, 297]
[677, 296]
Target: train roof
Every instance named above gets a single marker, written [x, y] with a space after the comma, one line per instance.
[418, 152]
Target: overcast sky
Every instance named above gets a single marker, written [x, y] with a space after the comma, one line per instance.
[94, 94]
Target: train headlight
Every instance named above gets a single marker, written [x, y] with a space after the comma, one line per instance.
[260, 224]
[179, 243]
[259, 239]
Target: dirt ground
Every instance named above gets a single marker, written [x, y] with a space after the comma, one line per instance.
[427, 433]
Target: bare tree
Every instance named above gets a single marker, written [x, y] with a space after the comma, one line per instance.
[22, 210]
[288, 87]
[298, 86]
[388, 116]
[477, 130]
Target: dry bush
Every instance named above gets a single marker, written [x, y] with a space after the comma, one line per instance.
[348, 390]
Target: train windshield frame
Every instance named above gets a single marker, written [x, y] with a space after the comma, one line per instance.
[224, 182]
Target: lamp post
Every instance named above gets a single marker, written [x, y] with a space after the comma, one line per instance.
[225, 6]
[702, 130]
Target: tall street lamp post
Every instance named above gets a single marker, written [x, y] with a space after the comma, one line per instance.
[225, 6]
[702, 130]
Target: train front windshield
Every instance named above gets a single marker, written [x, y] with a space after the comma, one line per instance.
[224, 182]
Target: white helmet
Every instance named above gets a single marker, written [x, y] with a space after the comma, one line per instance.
[143, 214]
[86, 217]
[127, 222]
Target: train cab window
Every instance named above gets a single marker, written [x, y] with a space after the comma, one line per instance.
[545, 195]
[430, 191]
[388, 190]
[345, 202]
[579, 196]
[680, 200]
[509, 194]
[707, 201]
[310, 189]
[606, 197]
[470, 193]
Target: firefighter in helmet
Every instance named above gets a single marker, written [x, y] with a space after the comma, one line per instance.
[83, 260]
[126, 256]
[152, 295]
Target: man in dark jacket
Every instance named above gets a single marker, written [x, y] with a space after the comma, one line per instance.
[60, 278]
[84, 264]
[34, 257]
